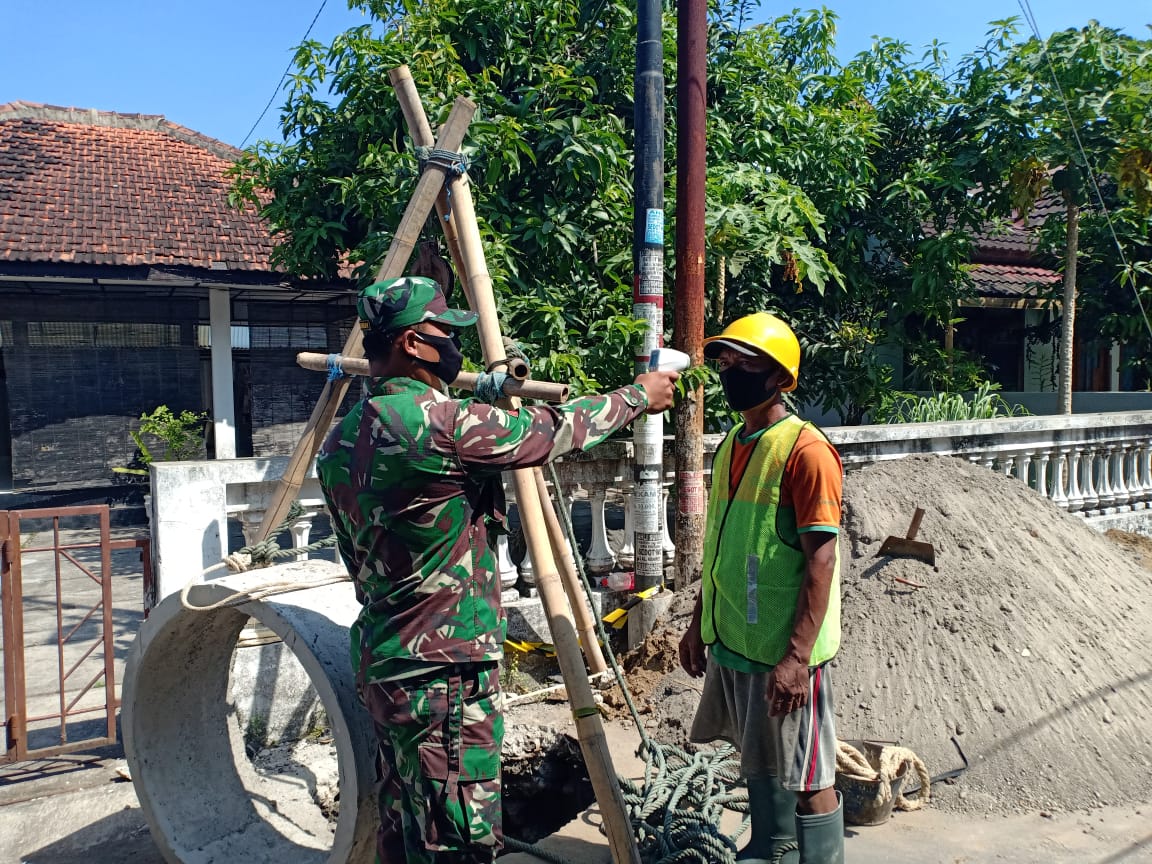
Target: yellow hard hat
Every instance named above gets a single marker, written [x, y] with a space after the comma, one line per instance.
[760, 333]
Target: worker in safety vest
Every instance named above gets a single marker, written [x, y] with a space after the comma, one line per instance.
[412, 480]
[767, 619]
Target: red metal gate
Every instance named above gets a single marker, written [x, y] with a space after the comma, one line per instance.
[71, 599]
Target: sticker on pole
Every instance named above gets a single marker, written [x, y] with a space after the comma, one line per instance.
[654, 226]
[651, 282]
[690, 492]
[653, 316]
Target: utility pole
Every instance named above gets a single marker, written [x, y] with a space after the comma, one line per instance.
[648, 284]
[688, 327]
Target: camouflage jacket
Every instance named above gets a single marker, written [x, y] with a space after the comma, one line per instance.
[412, 480]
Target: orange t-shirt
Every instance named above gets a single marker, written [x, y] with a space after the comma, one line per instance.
[812, 484]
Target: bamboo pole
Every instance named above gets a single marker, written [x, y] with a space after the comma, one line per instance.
[563, 553]
[590, 729]
[421, 133]
[403, 242]
[529, 389]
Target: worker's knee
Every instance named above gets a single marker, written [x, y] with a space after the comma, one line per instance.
[817, 801]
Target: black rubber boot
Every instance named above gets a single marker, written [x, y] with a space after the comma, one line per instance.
[822, 836]
[772, 817]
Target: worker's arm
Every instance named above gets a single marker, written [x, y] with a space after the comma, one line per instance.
[788, 683]
[491, 439]
[814, 476]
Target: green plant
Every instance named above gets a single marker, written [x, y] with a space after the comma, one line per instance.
[182, 437]
[510, 675]
[255, 735]
[984, 404]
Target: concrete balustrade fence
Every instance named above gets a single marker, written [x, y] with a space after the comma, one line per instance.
[1098, 466]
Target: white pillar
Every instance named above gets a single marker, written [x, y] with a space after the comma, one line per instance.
[505, 566]
[301, 530]
[223, 397]
[1059, 464]
[1023, 463]
[625, 556]
[1075, 496]
[599, 558]
[1042, 476]
[1114, 376]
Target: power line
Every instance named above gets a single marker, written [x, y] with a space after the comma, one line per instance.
[1026, 8]
[287, 69]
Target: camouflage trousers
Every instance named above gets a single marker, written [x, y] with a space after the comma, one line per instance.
[439, 764]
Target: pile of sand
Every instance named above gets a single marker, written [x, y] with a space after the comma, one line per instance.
[1028, 643]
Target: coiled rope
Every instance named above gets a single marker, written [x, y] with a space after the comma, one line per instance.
[675, 810]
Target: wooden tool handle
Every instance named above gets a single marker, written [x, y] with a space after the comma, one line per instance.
[914, 528]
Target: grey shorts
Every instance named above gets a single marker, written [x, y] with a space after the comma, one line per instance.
[799, 748]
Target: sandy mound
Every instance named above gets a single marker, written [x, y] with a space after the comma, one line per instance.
[1028, 642]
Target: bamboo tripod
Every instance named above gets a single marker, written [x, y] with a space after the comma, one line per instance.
[567, 612]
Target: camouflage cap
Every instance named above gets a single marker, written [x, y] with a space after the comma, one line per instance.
[397, 303]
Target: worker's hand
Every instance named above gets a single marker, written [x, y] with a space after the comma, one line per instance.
[660, 387]
[692, 657]
[787, 686]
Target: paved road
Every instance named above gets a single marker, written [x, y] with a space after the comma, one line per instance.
[87, 814]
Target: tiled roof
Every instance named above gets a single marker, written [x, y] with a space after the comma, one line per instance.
[1017, 238]
[1009, 280]
[89, 187]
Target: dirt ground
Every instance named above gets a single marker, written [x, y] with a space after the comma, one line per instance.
[1027, 643]
[1137, 544]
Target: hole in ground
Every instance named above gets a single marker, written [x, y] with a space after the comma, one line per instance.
[545, 792]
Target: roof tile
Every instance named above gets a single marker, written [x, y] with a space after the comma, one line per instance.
[1010, 280]
[103, 188]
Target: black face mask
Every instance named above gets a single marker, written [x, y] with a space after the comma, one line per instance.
[447, 368]
[745, 389]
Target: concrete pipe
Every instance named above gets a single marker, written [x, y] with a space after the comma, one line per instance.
[186, 750]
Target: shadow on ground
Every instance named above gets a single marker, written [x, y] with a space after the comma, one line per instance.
[120, 838]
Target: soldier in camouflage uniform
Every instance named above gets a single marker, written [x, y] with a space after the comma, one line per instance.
[412, 480]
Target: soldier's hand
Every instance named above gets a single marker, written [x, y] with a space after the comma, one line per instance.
[660, 387]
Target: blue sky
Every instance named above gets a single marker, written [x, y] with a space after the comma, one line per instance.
[212, 65]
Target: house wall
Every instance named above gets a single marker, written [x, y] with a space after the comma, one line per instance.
[78, 371]
[281, 394]
[78, 375]
[1040, 359]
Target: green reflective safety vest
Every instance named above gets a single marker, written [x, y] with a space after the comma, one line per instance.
[753, 562]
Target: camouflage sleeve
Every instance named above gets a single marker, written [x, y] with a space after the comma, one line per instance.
[488, 438]
[344, 544]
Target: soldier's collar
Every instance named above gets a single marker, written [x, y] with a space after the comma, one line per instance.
[391, 386]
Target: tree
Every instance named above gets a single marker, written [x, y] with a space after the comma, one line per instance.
[1071, 117]
[551, 156]
[882, 154]
[548, 155]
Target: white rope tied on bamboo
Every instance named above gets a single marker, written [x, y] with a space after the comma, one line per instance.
[892, 760]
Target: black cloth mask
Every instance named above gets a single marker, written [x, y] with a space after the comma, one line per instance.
[744, 389]
[447, 368]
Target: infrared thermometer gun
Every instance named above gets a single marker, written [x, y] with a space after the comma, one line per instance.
[668, 360]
